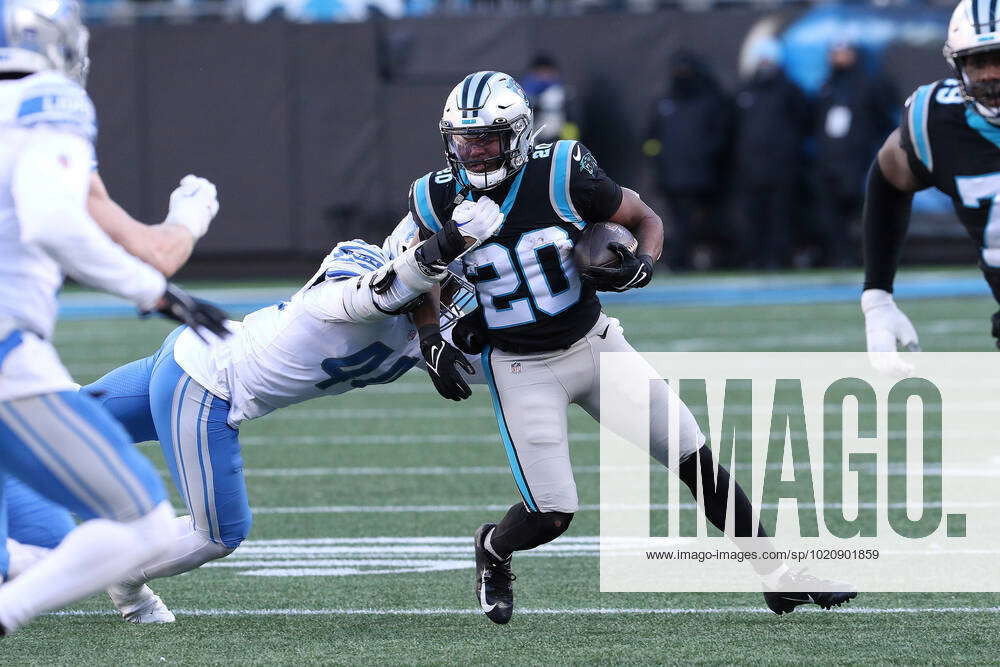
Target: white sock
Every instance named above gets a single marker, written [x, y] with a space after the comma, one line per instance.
[23, 557]
[92, 557]
[188, 550]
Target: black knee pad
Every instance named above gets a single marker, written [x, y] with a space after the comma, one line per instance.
[552, 524]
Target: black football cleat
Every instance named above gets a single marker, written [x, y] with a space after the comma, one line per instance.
[493, 580]
[836, 593]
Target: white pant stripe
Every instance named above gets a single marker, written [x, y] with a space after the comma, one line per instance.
[194, 466]
[205, 399]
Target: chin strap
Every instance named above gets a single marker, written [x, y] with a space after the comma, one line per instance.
[462, 194]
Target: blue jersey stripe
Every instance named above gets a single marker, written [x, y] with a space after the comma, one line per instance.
[421, 195]
[342, 274]
[515, 465]
[919, 110]
[986, 129]
[8, 344]
[559, 181]
[508, 202]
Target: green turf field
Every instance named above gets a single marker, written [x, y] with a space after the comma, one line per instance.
[340, 484]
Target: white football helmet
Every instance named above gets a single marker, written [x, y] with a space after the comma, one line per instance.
[487, 128]
[974, 28]
[39, 35]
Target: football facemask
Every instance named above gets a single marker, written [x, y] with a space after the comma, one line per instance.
[486, 126]
[458, 298]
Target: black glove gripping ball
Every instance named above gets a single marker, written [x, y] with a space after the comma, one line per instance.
[591, 249]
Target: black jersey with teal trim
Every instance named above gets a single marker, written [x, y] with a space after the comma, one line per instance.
[954, 149]
[530, 295]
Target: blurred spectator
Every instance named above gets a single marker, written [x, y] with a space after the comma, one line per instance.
[550, 98]
[607, 125]
[689, 134]
[855, 111]
[773, 122]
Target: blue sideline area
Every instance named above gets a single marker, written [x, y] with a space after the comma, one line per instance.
[667, 291]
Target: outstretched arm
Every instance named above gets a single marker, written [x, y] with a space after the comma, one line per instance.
[889, 193]
[886, 216]
[166, 246]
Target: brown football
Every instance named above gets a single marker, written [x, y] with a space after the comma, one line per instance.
[591, 248]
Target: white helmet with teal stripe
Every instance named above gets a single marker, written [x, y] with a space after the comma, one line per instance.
[973, 50]
[40, 35]
[487, 128]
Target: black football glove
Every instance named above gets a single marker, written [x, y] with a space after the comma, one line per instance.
[180, 306]
[632, 271]
[996, 327]
[442, 359]
[469, 334]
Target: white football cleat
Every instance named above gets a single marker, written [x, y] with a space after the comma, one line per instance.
[140, 605]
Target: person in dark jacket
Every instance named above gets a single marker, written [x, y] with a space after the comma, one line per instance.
[689, 134]
[772, 124]
[855, 111]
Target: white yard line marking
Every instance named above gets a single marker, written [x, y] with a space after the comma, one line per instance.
[386, 439]
[398, 509]
[579, 611]
[404, 471]
[297, 414]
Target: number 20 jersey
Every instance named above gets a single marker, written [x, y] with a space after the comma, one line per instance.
[530, 295]
[951, 147]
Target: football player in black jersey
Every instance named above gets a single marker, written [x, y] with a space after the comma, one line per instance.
[539, 327]
[949, 138]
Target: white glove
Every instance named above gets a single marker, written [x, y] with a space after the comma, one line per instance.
[193, 205]
[885, 325]
[478, 220]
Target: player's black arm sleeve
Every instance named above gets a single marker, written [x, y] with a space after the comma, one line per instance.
[595, 196]
[885, 219]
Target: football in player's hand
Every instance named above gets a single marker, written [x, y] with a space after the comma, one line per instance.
[591, 249]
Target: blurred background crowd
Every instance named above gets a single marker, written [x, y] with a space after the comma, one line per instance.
[359, 10]
[765, 176]
[748, 125]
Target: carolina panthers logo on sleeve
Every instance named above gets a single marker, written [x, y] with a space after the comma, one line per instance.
[588, 163]
[59, 103]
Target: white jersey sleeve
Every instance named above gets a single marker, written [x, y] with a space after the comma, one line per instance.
[49, 184]
[51, 100]
[359, 283]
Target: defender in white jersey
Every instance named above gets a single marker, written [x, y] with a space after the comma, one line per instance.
[61, 443]
[345, 329]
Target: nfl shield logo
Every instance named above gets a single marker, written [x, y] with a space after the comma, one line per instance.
[515, 367]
